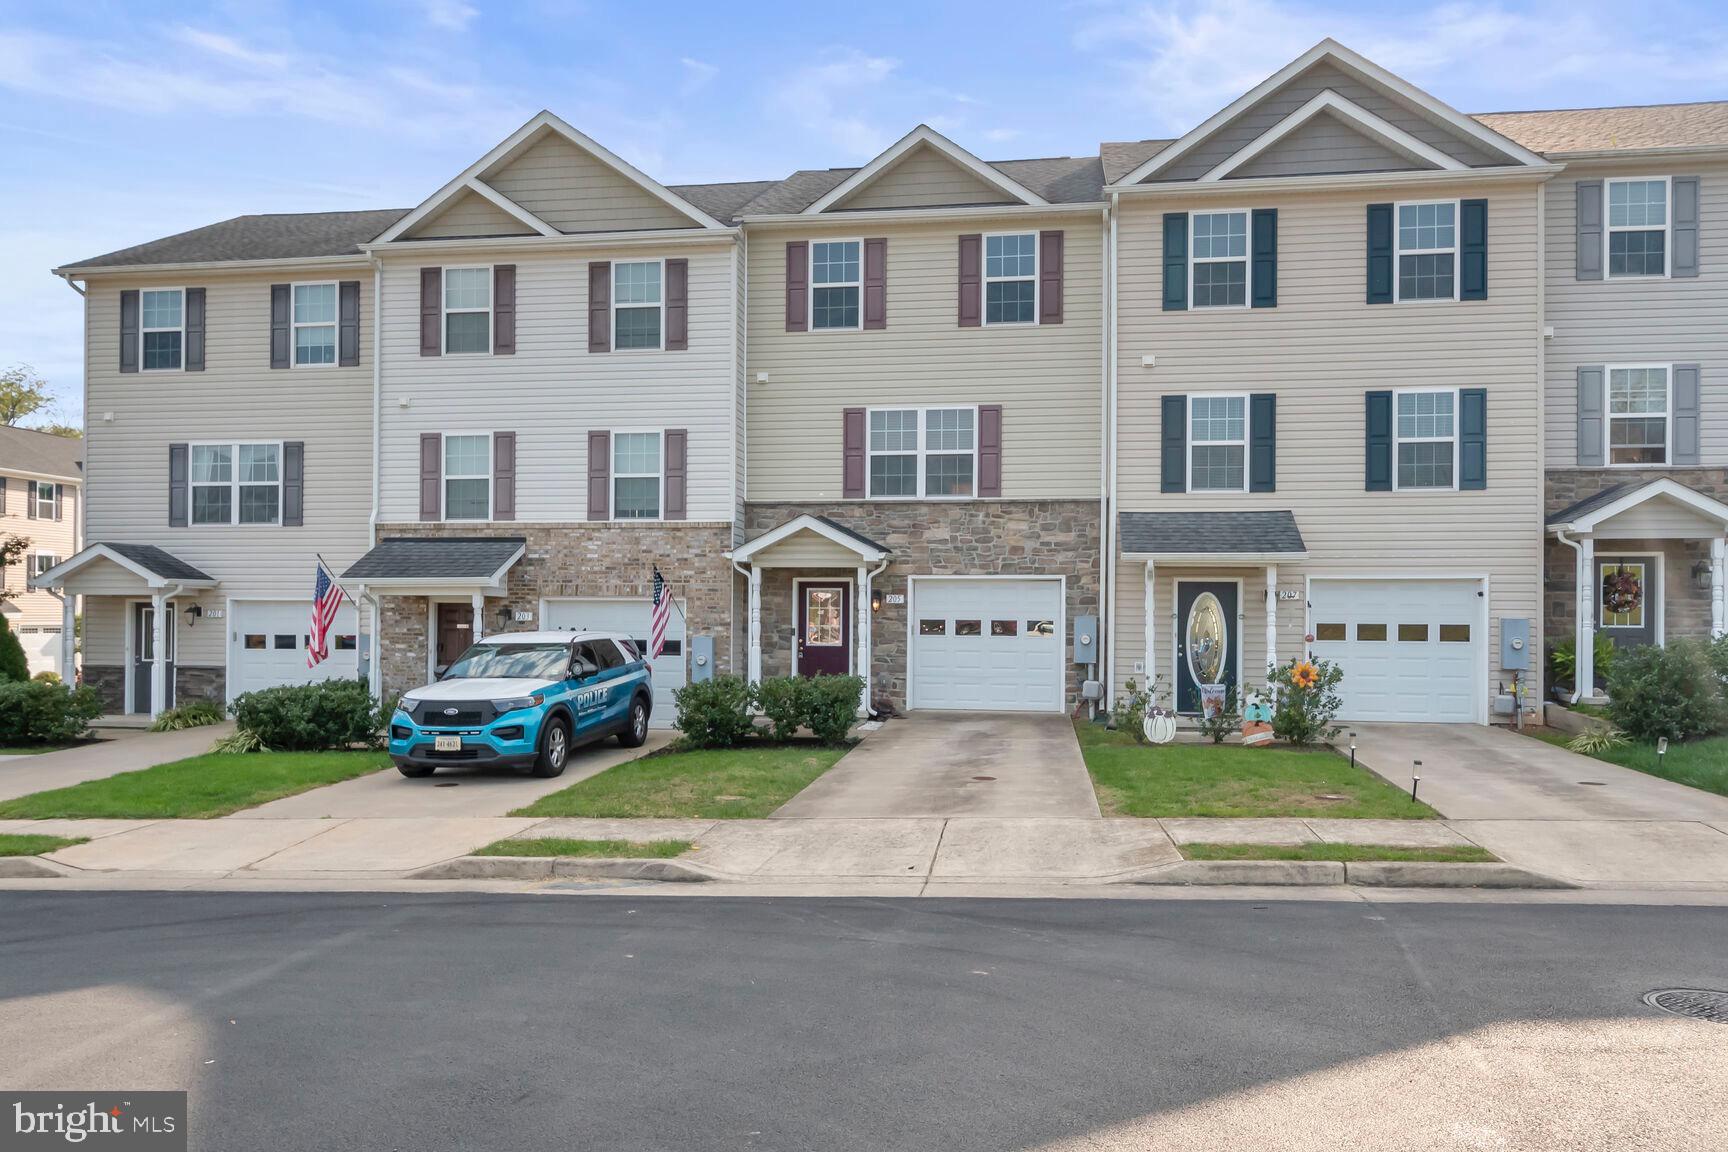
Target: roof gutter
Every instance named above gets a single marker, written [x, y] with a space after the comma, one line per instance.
[581, 240]
[1426, 176]
[85, 271]
[1641, 153]
[64, 275]
[1202, 558]
[892, 215]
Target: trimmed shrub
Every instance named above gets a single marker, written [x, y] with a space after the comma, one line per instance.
[1305, 700]
[833, 707]
[47, 677]
[1671, 691]
[1129, 714]
[715, 713]
[311, 717]
[197, 714]
[13, 665]
[32, 712]
[1719, 659]
[786, 701]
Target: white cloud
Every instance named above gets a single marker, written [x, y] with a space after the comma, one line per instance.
[697, 74]
[826, 97]
[1001, 135]
[452, 15]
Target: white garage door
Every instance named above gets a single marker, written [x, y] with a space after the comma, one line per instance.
[630, 617]
[267, 645]
[1411, 649]
[987, 645]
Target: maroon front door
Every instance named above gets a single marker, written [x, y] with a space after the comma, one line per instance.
[824, 629]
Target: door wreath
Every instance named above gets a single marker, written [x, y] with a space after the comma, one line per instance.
[1622, 591]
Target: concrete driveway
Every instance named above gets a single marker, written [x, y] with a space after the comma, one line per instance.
[1000, 764]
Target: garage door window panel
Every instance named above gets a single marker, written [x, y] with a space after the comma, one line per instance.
[468, 477]
[1371, 632]
[1638, 416]
[967, 628]
[932, 627]
[1426, 430]
[636, 475]
[923, 453]
[1218, 443]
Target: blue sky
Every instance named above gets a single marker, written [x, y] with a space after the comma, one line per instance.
[122, 122]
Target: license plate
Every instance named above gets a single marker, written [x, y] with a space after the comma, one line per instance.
[447, 743]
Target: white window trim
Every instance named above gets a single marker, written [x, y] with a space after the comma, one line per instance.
[444, 478]
[987, 280]
[234, 485]
[1247, 438]
[614, 476]
[1398, 252]
[1456, 438]
[34, 494]
[661, 306]
[41, 562]
[294, 325]
[445, 311]
[143, 331]
[1609, 229]
[811, 285]
[1608, 416]
[1247, 261]
[922, 451]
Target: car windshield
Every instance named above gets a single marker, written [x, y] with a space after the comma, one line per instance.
[512, 661]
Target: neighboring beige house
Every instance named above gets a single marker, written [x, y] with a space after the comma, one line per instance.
[41, 485]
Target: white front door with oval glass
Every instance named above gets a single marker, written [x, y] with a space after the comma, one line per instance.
[1208, 641]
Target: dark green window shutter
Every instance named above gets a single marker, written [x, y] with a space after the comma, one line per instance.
[1263, 442]
[1378, 467]
[1173, 438]
[1264, 233]
[1472, 439]
[1379, 253]
[1473, 250]
[1175, 263]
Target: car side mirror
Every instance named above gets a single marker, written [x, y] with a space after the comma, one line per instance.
[582, 669]
[440, 670]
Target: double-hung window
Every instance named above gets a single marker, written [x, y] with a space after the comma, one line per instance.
[468, 477]
[1219, 244]
[43, 562]
[923, 452]
[47, 500]
[1011, 278]
[636, 475]
[836, 283]
[467, 310]
[1217, 443]
[314, 324]
[236, 483]
[162, 329]
[636, 304]
[1428, 251]
[1638, 415]
[1638, 227]
[1426, 431]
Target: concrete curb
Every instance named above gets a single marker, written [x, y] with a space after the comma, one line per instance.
[548, 867]
[1433, 874]
[1364, 874]
[32, 868]
[1281, 873]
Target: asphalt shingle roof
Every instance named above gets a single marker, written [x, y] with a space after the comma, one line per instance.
[1589, 504]
[279, 236]
[149, 556]
[438, 558]
[39, 453]
[858, 536]
[1177, 533]
[722, 201]
[1559, 130]
[1122, 157]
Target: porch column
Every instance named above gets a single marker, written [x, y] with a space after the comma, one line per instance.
[1718, 593]
[755, 624]
[1151, 628]
[159, 646]
[862, 641]
[474, 634]
[1271, 614]
[68, 637]
[1584, 660]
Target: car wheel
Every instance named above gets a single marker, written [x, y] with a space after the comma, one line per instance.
[554, 748]
[415, 771]
[636, 731]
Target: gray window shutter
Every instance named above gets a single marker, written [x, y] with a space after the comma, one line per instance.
[431, 312]
[1380, 254]
[852, 462]
[177, 492]
[599, 475]
[293, 483]
[875, 274]
[1050, 277]
[194, 329]
[1263, 442]
[504, 309]
[1687, 378]
[677, 305]
[503, 475]
[1473, 250]
[129, 331]
[990, 450]
[2, 495]
[431, 475]
[677, 480]
[797, 285]
[1685, 229]
[1588, 229]
[280, 307]
[1591, 409]
[1173, 443]
[1377, 467]
[971, 282]
[1175, 267]
[1264, 240]
[348, 315]
[1472, 439]
[599, 306]
[30, 500]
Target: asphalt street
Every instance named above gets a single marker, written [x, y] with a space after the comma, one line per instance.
[451, 1021]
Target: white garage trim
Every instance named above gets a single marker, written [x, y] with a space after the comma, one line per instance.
[851, 621]
[1177, 624]
[237, 621]
[1061, 583]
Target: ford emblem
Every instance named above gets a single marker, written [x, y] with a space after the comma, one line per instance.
[452, 711]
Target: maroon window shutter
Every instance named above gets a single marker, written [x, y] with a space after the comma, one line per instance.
[194, 329]
[990, 449]
[503, 475]
[129, 330]
[431, 474]
[504, 309]
[797, 285]
[852, 442]
[599, 306]
[280, 310]
[676, 503]
[431, 313]
[876, 283]
[599, 475]
[1050, 277]
[677, 305]
[971, 280]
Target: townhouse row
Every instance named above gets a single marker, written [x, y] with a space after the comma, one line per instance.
[1341, 371]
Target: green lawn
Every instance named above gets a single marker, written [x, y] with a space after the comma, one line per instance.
[708, 783]
[1701, 764]
[554, 846]
[11, 845]
[1134, 779]
[197, 788]
[38, 749]
[1457, 854]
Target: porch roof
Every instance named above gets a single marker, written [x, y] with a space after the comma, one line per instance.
[416, 565]
[856, 543]
[153, 567]
[1709, 516]
[1247, 537]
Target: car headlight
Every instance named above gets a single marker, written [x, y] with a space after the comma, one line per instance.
[407, 704]
[515, 702]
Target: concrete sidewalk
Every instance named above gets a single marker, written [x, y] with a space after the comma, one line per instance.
[26, 774]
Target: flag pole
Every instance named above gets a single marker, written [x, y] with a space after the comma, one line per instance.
[324, 564]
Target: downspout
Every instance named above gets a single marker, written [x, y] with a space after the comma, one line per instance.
[1111, 383]
[375, 608]
[1577, 685]
[870, 638]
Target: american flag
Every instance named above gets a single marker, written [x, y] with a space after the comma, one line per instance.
[662, 616]
[327, 596]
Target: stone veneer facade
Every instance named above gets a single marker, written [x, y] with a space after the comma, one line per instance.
[961, 538]
[191, 682]
[567, 560]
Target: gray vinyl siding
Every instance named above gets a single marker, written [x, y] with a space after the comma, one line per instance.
[1046, 377]
[1324, 145]
[1618, 321]
[574, 192]
[470, 214]
[924, 178]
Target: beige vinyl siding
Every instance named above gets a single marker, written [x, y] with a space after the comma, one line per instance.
[1131, 622]
[1657, 520]
[104, 641]
[1046, 377]
[470, 214]
[1325, 144]
[553, 390]
[808, 550]
[1319, 351]
[57, 537]
[924, 178]
[574, 192]
[1621, 321]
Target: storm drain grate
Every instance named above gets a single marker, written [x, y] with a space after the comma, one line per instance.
[1693, 1003]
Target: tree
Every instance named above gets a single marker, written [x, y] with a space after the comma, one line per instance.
[12, 550]
[65, 431]
[14, 665]
[22, 393]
